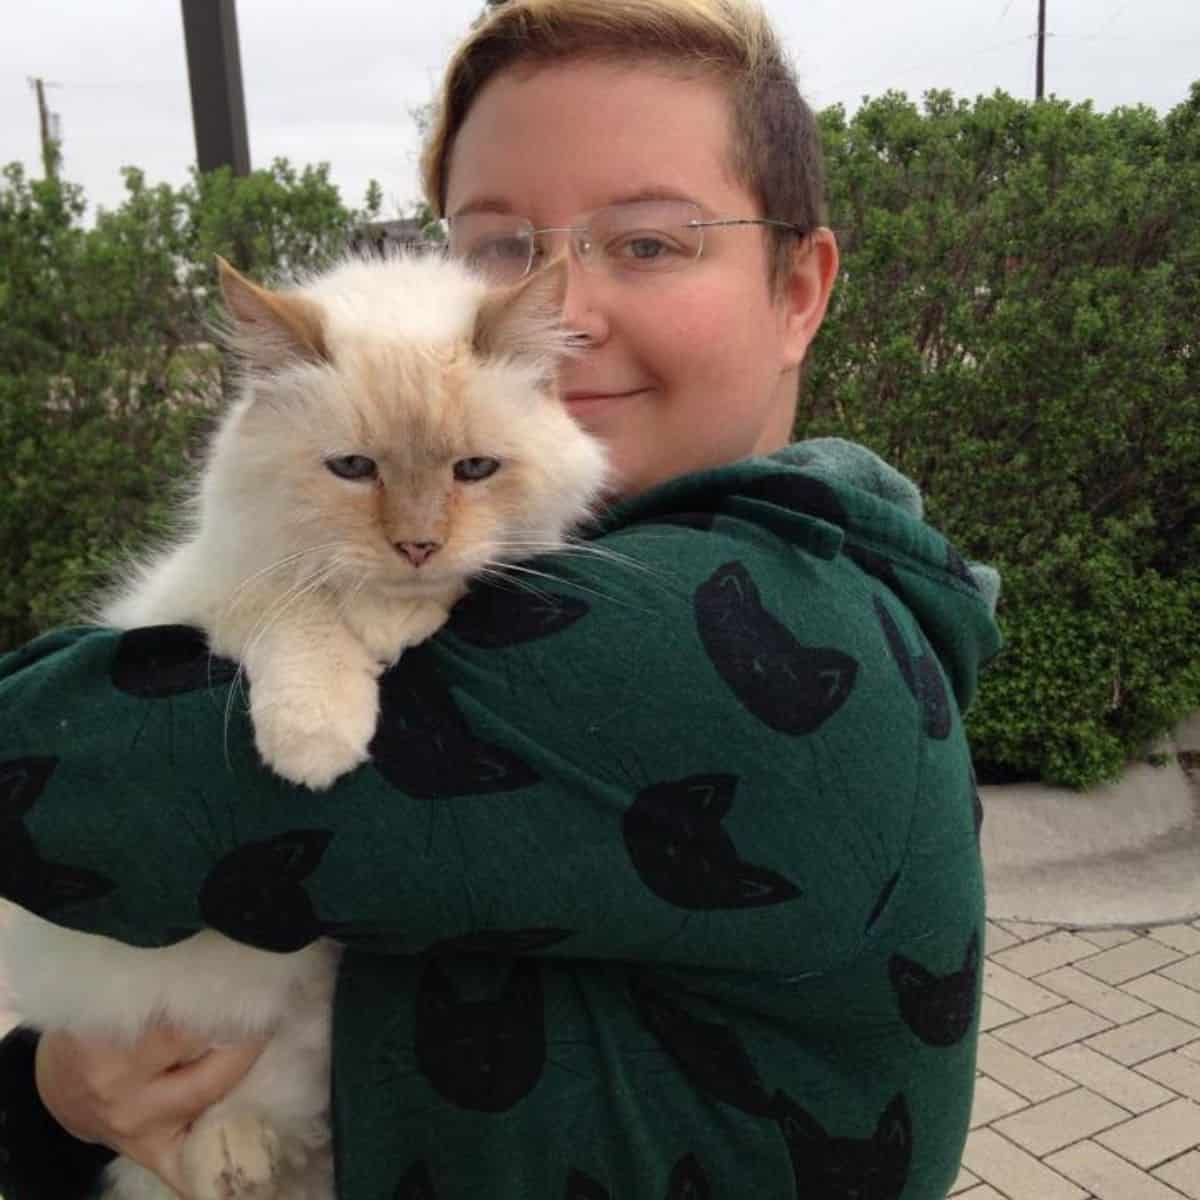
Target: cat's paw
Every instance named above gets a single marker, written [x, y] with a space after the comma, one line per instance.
[315, 736]
[235, 1157]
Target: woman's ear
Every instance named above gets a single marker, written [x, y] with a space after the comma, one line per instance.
[804, 294]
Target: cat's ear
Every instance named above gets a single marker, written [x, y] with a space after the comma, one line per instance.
[895, 1126]
[271, 329]
[524, 321]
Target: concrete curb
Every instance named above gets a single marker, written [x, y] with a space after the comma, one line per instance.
[1124, 854]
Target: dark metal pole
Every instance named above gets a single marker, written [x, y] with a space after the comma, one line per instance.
[215, 75]
[1041, 51]
[49, 149]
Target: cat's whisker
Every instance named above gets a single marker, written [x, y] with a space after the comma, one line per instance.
[278, 565]
[584, 549]
[499, 575]
[508, 572]
[505, 567]
[579, 546]
[264, 625]
[346, 599]
[236, 688]
[297, 591]
[237, 684]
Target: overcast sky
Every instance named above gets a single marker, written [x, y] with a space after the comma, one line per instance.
[334, 80]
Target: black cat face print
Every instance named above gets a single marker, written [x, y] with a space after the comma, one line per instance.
[845, 1168]
[22, 781]
[710, 1054]
[957, 566]
[876, 565]
[481, 1054]
[689, 1180]
[921, 674]
[492, 616]
[799, 493]
[255, 894]
[678, 846]
[415, 1184]
[583, 1187]
[29, 880]
[790, 687]
[939, 1009]
[167, 660]
[423, 744]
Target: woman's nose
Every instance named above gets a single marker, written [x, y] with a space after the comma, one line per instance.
[583, 311]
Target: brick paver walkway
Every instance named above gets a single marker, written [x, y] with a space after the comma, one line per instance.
[1089, 1066]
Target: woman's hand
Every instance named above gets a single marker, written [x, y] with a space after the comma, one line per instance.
[139, 1100]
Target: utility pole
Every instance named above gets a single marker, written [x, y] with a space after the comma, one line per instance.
[1041, 50]
[215, 75]
[46, 122]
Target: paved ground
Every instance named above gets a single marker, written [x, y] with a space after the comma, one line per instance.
[1089, 1066]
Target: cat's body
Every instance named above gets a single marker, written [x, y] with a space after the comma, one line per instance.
[398, 434]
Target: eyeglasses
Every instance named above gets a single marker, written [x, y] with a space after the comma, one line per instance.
[644, 237]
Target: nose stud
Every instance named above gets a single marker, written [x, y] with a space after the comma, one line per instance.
[418, 552]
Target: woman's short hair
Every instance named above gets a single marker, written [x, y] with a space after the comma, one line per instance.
[775, 151]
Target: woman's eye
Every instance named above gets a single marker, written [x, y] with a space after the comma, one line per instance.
[470, 470]
[352, 466]
[500, 249]
[643, 249]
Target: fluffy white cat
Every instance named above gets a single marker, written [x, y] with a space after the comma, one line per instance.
[398, 433]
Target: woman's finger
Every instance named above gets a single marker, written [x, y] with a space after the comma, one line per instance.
[162, 1153]
[177, 1096]
[161, 1112]
[162, 1047]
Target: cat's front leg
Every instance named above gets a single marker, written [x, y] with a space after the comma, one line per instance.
[388, 627]
[314, 699]
[232, 1156]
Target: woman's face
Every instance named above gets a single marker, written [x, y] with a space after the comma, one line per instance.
[683, 370]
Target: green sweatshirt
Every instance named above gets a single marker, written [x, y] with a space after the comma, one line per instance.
[663, 880]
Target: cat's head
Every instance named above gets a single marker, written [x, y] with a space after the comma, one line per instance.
[400, 424]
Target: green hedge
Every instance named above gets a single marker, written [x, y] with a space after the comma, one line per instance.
[1016, 329]
[107, 377]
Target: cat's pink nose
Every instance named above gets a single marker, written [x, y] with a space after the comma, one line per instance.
[418, 552]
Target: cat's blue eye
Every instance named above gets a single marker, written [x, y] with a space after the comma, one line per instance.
[352, 466]
[470, 470]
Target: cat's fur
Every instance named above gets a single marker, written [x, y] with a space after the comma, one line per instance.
[312, 582]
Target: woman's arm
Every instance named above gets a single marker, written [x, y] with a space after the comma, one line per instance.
[658, 757]
[39, 1159]
[69, 1105]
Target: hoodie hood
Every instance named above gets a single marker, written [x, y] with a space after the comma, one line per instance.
[833, 497]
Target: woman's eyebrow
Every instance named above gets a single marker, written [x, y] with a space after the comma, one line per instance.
[492, 204]
[496, 204]
[654, 192]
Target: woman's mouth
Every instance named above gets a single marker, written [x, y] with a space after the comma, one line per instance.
[582, 400]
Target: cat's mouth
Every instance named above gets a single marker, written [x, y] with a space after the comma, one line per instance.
[415, 583]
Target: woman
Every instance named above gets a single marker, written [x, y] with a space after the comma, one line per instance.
[727, 940]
